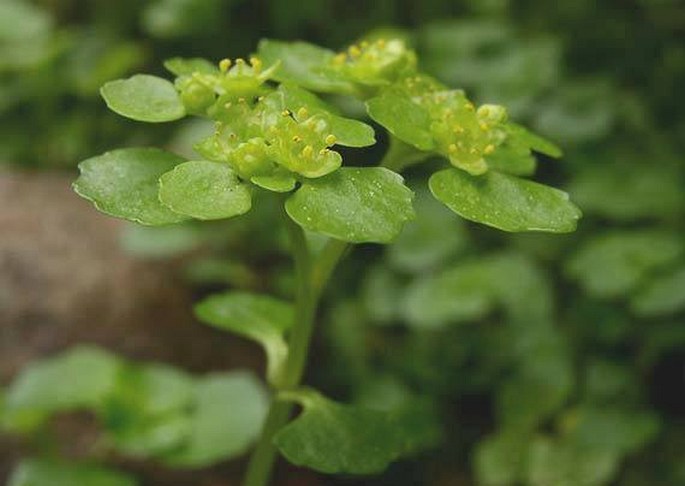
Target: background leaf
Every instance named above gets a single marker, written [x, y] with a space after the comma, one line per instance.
[228, 413]
[35, 472]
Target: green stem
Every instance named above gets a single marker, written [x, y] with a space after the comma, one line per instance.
[311, 278]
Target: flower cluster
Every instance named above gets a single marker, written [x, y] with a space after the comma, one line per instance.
[375, 63]
[464, 134]
[260, 139]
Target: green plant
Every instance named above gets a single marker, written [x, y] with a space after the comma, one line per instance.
[274, 138]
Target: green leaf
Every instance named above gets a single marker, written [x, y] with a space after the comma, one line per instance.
[353, 204]
[554, 462]
[258, 317]
[406, 120]
[147, 413]
[40, 472]
[204, 190]
[500, 459]
[663, 295]
[533, 141]
[160, 242]
[228, 414]
[348, 132]
[302, 63]
[43, 385]
[187, 66]
[144, 98]
[351, 133]
[124, 183]
[80, 378]
[616, 263]
[429, 240]
[646, 190]
[505, 202]
[333, 438]
[461, 294]
[276, 183]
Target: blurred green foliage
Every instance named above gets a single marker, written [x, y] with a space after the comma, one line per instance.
[548, 360]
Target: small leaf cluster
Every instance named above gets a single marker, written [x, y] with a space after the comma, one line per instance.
[147, 410]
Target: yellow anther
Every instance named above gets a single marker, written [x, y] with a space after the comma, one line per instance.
[302, 113]
[260, 98]
[241, 100]
[458, 129]
[354, 51]
[228, 105]
[307, 151]
[240, 62]
[286, 112]
[484, 111]
[340, 58]
[473, 151]
[469, 106]
[256, 63]
[484, 126]
[489, 149]
[452, 148]
[225, 65]
[297, 139]
[323, 151]
[330, 139]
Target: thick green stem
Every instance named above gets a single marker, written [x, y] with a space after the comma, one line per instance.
[311, 278]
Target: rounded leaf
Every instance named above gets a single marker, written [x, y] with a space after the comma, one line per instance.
[144, 98]
[124, 183]
[505, 202]
[204, 190]
[354, 204]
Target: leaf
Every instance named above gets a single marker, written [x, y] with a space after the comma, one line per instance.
[461, 294]
[406, 120]
[204, 190]
[187, 66]
[500, 459]
[80, 378]
[616, 263]
[348, 132]
[333, 438]
[147, 412]
[258, 317]
[276, 183]
[661, 296]
[533, 141]
[41, 472]
[302, 63]
[428, 241]
[353, 204]
[645, 190]
[124, 183]
[554, 462]
[228, 414]
[160, 242]
[144, 98]
[505, 202]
